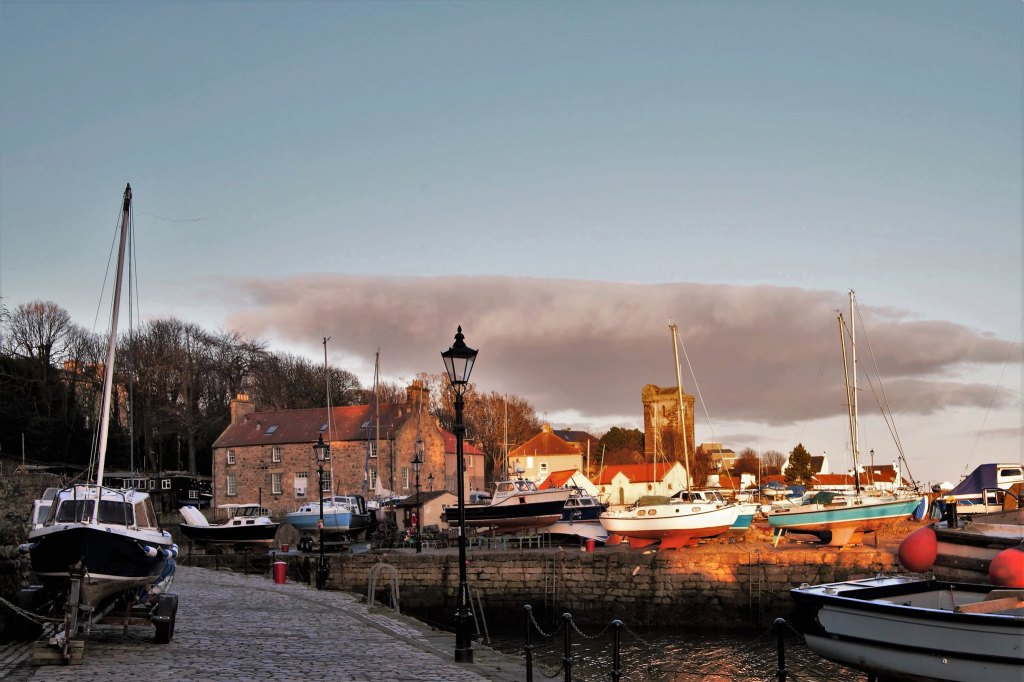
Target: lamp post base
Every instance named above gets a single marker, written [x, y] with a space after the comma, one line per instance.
[463, 638]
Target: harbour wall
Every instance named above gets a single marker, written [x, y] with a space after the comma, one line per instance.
[723, 585]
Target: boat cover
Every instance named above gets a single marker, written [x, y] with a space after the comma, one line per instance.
[193, 517]
[979, 479]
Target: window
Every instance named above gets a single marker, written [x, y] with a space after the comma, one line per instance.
[301, 483]
[275, 484]
[231, 456]
[139, 484]
[543, 467]
[405, 477]
[152, 484]
[327, 482]
[165, 484]
[275, 454]
[372, 445]
[232, 486]
[373, 479]
[193, 494]
[270, 430]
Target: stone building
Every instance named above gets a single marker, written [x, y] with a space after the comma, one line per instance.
[268, 455]
[663, 436]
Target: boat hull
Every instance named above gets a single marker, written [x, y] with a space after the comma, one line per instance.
[907, 629]
[257, 534]
[845, 523]
[112, 560]
[966, 553]
[531, 514]
[335, 523]
[674, 525]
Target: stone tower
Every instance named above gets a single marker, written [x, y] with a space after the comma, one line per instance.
[661, 418]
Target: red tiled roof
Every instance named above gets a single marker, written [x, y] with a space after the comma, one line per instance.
[544, 443]
[450, 445]
[556, 479]
[636, 473]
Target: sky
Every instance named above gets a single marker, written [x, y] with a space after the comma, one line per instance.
[564, 180]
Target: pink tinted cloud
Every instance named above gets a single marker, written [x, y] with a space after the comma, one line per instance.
[761, 354]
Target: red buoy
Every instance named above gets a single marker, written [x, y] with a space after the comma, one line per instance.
[918, 550]
[1007, 569]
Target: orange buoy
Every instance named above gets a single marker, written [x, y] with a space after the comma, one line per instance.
[918, 550]
[1007, 569]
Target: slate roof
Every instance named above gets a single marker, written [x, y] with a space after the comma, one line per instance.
[304, 426]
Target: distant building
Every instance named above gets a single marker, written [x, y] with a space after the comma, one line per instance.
[269, 454]
[722, 458]
[626, 483]
[551, 451]
[664, 437]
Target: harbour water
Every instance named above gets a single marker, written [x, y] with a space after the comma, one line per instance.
[676, 655]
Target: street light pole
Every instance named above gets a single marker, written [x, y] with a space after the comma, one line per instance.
[322, 451]
[458, 362]
[417, 463]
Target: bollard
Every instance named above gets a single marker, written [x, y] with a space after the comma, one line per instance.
[567, 656]
[616, 663]
[528, 647]
[780, 625]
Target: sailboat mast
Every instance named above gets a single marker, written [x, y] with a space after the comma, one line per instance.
[108, 370]
[682, 410]
[849, 399]
[855, 432]
[330, 436]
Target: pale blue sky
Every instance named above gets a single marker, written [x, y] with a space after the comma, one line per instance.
[817, 145]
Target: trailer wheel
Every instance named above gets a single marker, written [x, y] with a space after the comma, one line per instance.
[164, 616]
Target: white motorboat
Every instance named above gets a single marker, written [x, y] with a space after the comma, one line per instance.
[247, 524]
[515, 505]
[916, 629]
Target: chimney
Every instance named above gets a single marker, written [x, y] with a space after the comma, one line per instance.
[416, 394]
[241, 408]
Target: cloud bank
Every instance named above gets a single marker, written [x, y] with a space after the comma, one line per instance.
[759, 354]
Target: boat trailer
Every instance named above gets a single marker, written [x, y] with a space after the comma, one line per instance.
[74, 623]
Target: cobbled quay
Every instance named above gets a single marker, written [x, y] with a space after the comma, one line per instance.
[246, 627]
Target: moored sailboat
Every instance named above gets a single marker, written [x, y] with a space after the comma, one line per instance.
[840, 519]
[100, 546]
[680, 521]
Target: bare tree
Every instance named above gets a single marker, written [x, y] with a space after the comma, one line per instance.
[772, 461]
[747, 462]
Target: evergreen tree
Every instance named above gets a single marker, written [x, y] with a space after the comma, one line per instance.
[799, 469]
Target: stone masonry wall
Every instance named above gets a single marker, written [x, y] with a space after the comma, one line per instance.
[717, 585]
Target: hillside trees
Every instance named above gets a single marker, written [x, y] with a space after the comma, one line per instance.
[622, 446]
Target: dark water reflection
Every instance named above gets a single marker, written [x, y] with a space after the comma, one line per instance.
[678, 656]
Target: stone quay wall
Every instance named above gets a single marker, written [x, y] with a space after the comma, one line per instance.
[727, 585]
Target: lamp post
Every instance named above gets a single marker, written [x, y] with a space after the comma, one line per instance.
[322, 451]
[417, 463]
[458, 361]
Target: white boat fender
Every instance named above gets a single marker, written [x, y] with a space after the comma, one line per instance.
[26, 547]
[148, 550]
[171, 552]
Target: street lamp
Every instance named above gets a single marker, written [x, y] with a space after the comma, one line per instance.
[458, 360]
[322, 451]
[417, 462]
